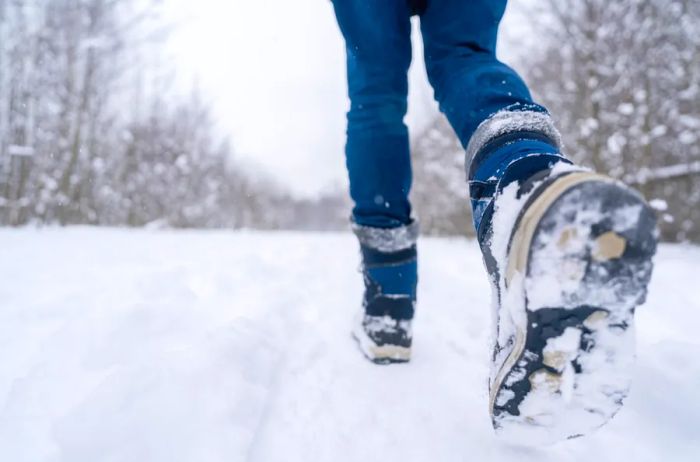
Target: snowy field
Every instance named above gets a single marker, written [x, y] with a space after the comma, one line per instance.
[149, 346]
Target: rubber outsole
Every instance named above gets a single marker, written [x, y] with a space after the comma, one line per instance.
[580, 261]
[379, 354]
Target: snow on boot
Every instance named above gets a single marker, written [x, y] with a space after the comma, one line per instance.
[569, 253]
[383, 339]
[389, 267]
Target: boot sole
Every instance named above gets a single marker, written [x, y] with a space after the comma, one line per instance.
[579, 263]
[382, 355]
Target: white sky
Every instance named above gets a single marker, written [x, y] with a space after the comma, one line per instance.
[274, 71]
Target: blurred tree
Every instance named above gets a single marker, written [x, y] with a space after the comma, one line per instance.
[88, 133]
[17, 129]
[440, 194]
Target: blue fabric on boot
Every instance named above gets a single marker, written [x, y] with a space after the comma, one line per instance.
[514, 156]
[391, 279]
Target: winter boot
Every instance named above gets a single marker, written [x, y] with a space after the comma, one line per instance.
[389, 268]
[569, 254]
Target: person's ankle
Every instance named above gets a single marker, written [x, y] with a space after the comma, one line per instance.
[511, 146]
[389, 267]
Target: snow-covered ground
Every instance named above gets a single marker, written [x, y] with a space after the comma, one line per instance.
[154, 346]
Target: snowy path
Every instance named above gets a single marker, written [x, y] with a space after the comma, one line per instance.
[143, 346]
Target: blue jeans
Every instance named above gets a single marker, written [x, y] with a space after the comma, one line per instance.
[470, 85]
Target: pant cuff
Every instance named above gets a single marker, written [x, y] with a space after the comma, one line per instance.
[508, 121]
[387, 239]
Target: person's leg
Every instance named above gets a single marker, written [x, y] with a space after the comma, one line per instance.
[378, 44]
[569, 251]
[487, 103]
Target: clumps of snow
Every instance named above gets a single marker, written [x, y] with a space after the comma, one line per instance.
[627, 217]
[569, 402]
[564, 167]
[376, 324]
[556, 286]
[567, 343]
[504, 396]
[510, 311]
[507, 207]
